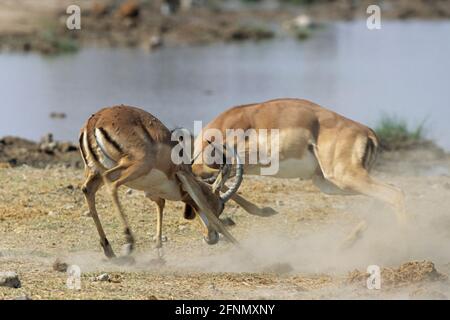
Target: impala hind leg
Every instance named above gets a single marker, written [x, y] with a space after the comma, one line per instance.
[359, 181]
[330, 188]
[90, 187]
[113, 179]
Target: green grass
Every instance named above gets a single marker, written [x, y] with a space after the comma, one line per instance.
[395, 133]
[59, 44]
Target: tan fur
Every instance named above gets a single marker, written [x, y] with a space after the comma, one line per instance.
[124, 145]
[345, 150]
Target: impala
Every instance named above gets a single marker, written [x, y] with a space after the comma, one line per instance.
[336, 153]
[125, 145]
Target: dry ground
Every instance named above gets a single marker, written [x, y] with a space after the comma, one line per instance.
[293, 255]
[40, 25]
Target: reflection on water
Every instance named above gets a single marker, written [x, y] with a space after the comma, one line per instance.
[403, 69]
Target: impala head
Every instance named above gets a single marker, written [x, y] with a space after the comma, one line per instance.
[215, 201]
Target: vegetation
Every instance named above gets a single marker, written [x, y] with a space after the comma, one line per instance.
[396, 134]
[55, 44]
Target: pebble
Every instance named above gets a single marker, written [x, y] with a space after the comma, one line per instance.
[60, 266]
[9, 279]
[87, 214]
[68, 207]
[103, 277]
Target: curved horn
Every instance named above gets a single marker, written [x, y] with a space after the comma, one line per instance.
[239, 176]
[192, 188]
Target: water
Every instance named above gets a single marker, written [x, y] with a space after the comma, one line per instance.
[402, 69]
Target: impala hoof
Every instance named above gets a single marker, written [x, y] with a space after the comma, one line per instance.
[212, 238]
[109, 253]
[127, 249]
[268, 212]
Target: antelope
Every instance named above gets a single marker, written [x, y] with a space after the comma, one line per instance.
[124, 145]
[334, 152]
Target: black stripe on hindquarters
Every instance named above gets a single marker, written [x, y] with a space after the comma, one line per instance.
[368, 154]
[81, 146]
[110, 140]
[91, 151]
[146, 133]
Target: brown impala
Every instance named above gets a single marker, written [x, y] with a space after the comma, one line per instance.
[314, 143]
[127, 146]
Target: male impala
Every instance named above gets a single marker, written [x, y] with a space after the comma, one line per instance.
[124, 145]
[314, 143]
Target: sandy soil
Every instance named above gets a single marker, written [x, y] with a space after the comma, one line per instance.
[295, 254]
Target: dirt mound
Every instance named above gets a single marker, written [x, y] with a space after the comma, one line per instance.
[407, 273]
[17, 151]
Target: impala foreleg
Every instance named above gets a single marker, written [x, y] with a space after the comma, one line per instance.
[251, 207]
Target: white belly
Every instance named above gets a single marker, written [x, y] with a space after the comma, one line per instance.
[156, 184]
[303, 168]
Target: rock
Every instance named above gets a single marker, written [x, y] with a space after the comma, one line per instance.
[249, 32]
[279, 203]
[60, 266]
[9, 279]
[53, 213]
[155, 41]
[67, 147]
[129, 9]
[103, 277]
[129, 192]
[48, 138]
[24, 297]
[58, 115]
[301, 21]
[87, 214]
[68, 206]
